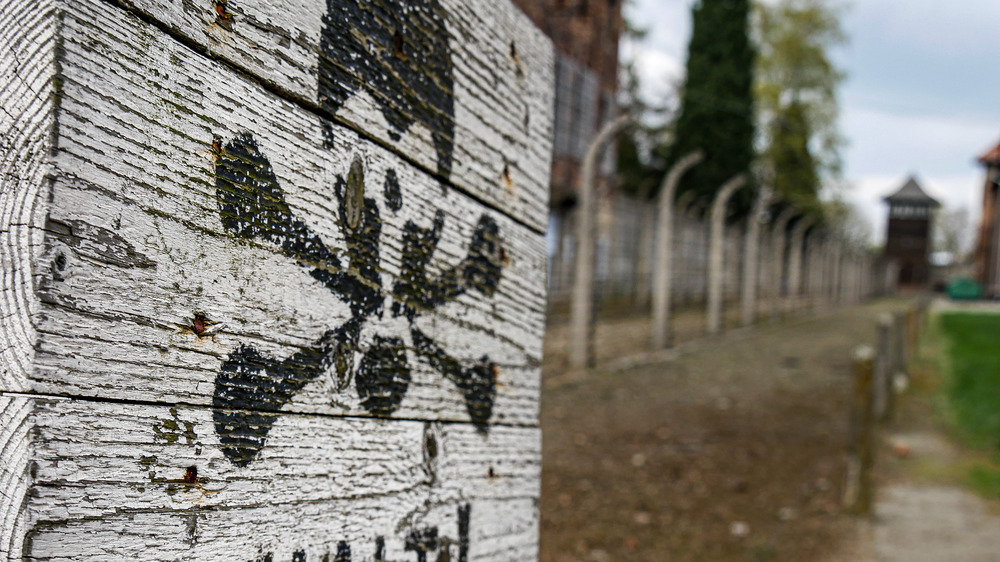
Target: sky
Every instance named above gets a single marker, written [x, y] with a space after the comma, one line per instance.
[922, 94]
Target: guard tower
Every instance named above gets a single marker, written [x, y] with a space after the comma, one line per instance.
[908, 236]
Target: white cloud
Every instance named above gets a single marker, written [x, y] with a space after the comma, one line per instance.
[882, 141]
[660, 57]
[659, 74]
[668, 23]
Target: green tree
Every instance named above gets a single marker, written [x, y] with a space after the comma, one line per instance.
[717, 106]
[795, 170]
[796, 92]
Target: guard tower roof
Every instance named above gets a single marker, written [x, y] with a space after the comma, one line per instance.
[911, 194]
[991, 157]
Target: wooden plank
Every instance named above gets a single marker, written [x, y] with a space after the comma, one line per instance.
[498, 530]
[463, 87]
[117, 481]
[257, 275]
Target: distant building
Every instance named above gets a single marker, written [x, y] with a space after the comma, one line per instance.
[585, 34]
[908, 233]
[987, 256]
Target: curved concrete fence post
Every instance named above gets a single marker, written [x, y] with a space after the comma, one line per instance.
[751, 250]
[837, 273]
[582, 305]
[778, 259]
[796, 250]
[662, 335]
[715, 252]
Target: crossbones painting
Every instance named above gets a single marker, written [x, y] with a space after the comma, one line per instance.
[252, 386]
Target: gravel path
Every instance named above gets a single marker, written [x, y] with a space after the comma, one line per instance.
[934, 524]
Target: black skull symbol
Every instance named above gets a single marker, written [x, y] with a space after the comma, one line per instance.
[251, 386]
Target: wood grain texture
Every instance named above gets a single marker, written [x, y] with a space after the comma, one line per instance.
[15, 478]
[116, 481]
[497, 78]
[27, 120]
[136, 213]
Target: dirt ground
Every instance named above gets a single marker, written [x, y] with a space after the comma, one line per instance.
[732, 449]
[626, 331]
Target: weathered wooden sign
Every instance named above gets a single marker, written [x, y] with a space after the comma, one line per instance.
[272, 279]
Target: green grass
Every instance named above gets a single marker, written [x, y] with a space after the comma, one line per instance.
[973, 376]
[971, 365]
[984, 478]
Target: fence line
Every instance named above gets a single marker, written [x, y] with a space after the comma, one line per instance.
[797, 267]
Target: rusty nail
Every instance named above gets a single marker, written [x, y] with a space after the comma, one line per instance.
[397, 40]
[517, 60]
[199, 324]
[431, 445]
[222, 15]
[191, 475]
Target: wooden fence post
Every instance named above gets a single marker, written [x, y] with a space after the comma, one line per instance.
[715, 251]
[858, 492]
[255, 306]
[582, 305]
[885, 391]
[750, 257]
[778, 258]
[900, 350]
[912, 329]
[663, 269]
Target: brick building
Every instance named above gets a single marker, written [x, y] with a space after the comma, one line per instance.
[908, 235]
[987, 256]
[585, 34]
